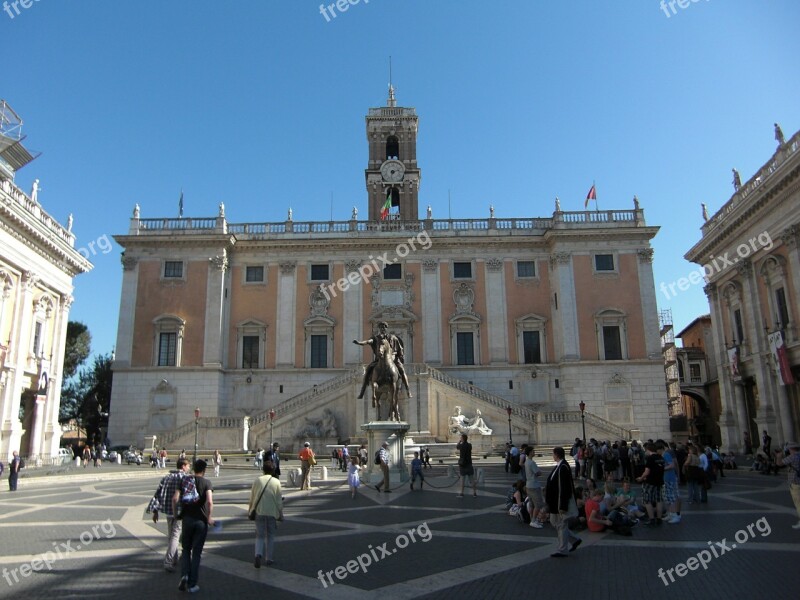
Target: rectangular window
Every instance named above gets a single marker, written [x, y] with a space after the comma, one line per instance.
[783, 311]
[603, 262]
[250, 352]
[167, 349]
[526, 268]
[739, 329]
[462, 270]
[694, 372]
[612, 345]
[464, 348]
[37, 339]
[393, 272]
[531, 348]
[173, 269]
[319, 351]
[319, 273]
[254, 274]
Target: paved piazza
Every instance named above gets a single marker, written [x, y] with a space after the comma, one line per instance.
[110, 548]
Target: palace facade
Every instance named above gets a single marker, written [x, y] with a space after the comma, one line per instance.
[521, 319]
[38, 261]
[749, 252]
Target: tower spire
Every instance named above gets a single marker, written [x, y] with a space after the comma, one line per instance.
[391, 101]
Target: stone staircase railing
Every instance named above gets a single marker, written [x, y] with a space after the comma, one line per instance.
[203, 423]
[288, 405]
[477, 392]
[574, 416]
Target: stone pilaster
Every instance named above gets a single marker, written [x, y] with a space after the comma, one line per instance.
[214, 318]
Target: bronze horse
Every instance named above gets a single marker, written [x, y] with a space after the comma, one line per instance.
[385, 380]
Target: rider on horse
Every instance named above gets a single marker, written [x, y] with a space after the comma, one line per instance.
[374, 342]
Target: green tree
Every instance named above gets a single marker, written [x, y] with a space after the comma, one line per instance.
[78, 346]
[91, 392]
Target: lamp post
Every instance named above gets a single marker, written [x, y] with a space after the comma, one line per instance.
[582, 406]
[508, 411]
[196, 425]
[271, 425]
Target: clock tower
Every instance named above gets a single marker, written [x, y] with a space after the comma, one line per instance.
[392, 172]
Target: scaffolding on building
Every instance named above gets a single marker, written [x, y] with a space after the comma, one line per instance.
[13, 154]
[670, 353]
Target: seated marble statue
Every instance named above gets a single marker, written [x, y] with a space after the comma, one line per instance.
[461, 424]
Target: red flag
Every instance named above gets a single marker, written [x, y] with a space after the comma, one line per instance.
[592, 195]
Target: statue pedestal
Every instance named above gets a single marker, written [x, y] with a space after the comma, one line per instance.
[394, 433]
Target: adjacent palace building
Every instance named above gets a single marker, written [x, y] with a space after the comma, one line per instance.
[38, 260]
[245, 330]
[749, 251]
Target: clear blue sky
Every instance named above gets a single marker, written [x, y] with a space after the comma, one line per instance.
[261, 104]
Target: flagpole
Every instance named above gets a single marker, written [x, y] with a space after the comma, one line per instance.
[596, 203]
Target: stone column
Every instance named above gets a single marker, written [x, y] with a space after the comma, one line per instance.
[496, 319]
[285, 322]
[789, 238]
[52, 430]
[127, 312]
[566, 316]
[37, 424]
[647, 292]
[19, 348]
[730, 419]
[431, 312]
[352, 299]
[215, 293]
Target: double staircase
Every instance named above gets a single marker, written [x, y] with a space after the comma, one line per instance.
[525, 418]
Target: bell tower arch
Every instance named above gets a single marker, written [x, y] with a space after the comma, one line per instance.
[392, 175]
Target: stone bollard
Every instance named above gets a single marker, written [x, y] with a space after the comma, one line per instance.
[292, 477]
[77, 461]
[119, 458]
[479, 477]
[324, 474]
[451, 471]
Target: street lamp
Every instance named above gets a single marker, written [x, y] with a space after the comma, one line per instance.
[271, 425]
[582, 406]
[508, 411]
[196, 425]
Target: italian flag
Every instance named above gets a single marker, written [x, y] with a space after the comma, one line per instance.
[592, 195]
[386, 206]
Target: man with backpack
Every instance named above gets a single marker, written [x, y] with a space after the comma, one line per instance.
[162, 502]
[193, 501]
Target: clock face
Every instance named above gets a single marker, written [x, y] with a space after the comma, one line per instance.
[393, 170]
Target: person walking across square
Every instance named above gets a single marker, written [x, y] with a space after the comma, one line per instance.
[560, 498]
[196, 521]
[162, 502]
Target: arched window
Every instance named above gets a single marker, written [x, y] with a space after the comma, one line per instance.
[392, 148]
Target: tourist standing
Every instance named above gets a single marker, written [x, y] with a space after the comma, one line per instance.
[465, 467]
[274, 455]
[217, 462]
[354, 478]
[560, 497]
[652, 481]
[671, 499]
[383, 463]
[307, 460]
[416, 471]
[13, 470]
[533, 487]
[266, 500]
